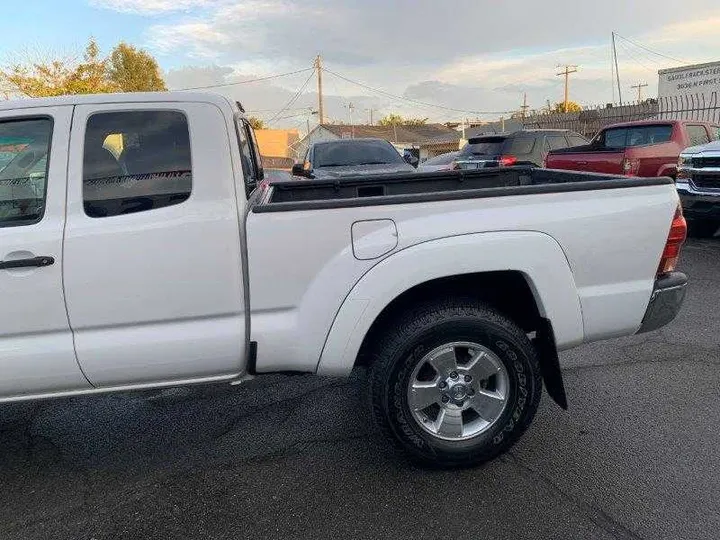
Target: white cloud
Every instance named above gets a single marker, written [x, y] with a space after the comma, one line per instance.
[479, 55]
[151, 7]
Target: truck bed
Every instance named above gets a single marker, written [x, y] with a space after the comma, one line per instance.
[435, 186]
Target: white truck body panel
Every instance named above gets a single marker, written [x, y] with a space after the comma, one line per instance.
[158, 294]
[291, 316]
[36, 343]
[174, 295]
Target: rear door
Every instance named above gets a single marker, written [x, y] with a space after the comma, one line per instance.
[36, 345]
[153, 266]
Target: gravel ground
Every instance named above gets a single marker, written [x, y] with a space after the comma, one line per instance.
[636, 456]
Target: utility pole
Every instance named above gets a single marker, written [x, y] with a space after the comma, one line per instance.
[639, 87]
[617, 71]
[319, 69]
[568, 70]
[351, 107]
[524, 107]
[370, 114]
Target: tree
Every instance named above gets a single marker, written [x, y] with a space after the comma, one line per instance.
[397, 120]
[128, 70]
[571, 107]
[134, 70]
[256, 123]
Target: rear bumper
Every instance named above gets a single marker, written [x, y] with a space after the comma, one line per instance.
[698, 204]
[665, 302]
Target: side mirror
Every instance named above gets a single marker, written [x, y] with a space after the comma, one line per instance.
[298, 170]
[412, 160]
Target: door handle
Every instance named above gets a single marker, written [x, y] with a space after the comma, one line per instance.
[44, 260]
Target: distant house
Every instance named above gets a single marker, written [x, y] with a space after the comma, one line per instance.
[402, 137]
[276, 147]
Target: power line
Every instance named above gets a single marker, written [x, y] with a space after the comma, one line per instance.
[639, 86]
[249, 81]
[640, 45]
[410, 100]
[626, 49]
[293, 99]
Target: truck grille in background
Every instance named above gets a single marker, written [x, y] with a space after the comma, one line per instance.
[703, 163]
[708, 181]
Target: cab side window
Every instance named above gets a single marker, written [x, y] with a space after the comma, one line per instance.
[24, 149]
[135, 161]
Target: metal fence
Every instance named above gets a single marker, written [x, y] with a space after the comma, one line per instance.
[700, 107]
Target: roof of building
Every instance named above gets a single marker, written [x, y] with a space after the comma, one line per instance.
[405, 134]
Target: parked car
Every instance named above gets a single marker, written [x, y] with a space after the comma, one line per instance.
[648, 148]
[351, 157]
[443, 162]
[698, 183]
[164, 265]
[525, 147]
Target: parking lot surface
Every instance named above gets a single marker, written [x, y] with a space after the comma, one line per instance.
[635, 456]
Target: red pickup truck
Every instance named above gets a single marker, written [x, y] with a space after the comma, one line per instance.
[647, 148]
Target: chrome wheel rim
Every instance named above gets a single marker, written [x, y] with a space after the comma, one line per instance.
[458, 391]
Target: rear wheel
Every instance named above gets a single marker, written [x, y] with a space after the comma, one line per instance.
[702, 228]
[454, 383]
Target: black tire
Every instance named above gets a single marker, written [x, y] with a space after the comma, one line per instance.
[432, 325]
[702, 228]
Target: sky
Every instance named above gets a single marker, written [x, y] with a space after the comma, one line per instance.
[443, 60]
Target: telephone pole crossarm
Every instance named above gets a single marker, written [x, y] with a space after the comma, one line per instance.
[566, 73]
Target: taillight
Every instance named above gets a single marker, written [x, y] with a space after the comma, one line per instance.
[675, 240]
[630, 167]
[507, 161]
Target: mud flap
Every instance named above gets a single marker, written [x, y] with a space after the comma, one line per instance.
[550, 363]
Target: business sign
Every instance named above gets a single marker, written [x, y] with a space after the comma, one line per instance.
[700, 80]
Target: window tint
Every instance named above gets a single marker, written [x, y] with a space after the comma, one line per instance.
[614, 138]
[521, 146]
[697, 135]
[257, 159]
[575, 140]
[24, 147]
[639, 136]
[557, 142]
[246, 158]
[353, 153]
[482, 146]
[135, 161]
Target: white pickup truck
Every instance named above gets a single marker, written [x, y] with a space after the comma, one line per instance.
[140, 248]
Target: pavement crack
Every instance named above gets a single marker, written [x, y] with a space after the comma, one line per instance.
[597, 515]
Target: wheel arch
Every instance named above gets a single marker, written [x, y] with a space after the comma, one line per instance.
[529, 263]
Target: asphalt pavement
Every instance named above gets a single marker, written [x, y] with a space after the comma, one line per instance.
[637, 455]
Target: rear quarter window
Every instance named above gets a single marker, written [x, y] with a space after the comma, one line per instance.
[557, 142]
[520, 146]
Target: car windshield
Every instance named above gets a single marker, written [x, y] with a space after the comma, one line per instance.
[486, 146]
[355, 153]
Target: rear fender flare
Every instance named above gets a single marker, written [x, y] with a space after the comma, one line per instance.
[536, 255]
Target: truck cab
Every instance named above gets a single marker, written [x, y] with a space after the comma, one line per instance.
[647, 148]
